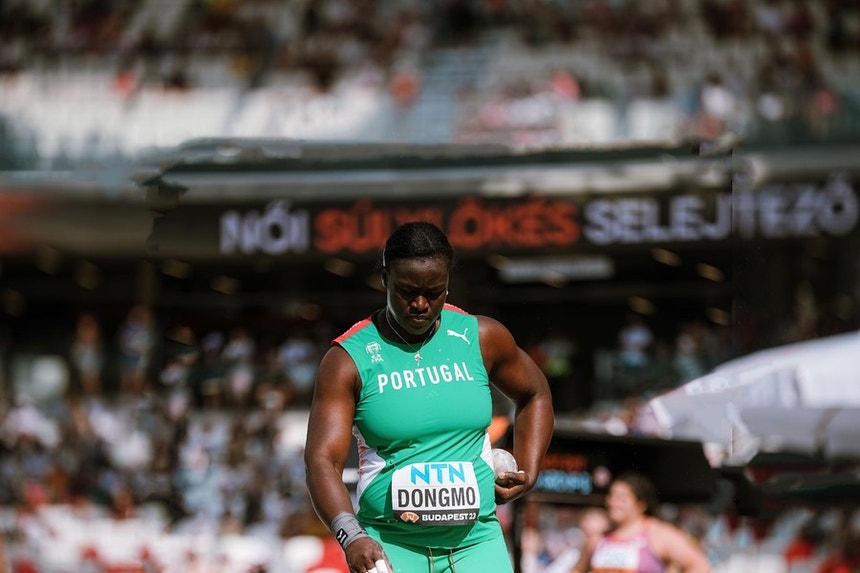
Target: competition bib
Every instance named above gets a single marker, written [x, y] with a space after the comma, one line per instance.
[616, 558]
[436, 493]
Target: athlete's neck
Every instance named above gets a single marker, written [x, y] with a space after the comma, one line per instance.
[630, 528]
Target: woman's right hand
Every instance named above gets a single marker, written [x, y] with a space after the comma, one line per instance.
[365, 554]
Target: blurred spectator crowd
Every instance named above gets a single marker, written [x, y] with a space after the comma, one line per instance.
[97, 79]
[187, 443]
[152, 450]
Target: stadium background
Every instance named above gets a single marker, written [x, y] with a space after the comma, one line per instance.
[234, 166]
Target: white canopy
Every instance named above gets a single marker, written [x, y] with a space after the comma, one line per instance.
[802, 397]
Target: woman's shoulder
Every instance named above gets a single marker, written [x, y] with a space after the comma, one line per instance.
[656, 526]
[492, 330]
[454, 315]
[662, 535]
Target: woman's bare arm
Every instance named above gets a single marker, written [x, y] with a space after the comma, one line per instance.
[329, 437]
[675, 547]
[517, 376]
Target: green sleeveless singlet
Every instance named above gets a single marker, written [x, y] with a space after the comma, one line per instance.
[425, 467]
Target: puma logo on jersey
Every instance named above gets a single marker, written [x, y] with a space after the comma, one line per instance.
[458, 335]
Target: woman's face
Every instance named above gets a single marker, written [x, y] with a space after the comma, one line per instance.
[622, 504]
[416, 291]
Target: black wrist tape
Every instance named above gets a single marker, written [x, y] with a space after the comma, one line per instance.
[347, 529]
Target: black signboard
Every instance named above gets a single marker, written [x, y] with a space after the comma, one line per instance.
[579, 466]
[525, 225]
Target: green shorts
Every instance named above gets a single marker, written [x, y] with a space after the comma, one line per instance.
[491, 555]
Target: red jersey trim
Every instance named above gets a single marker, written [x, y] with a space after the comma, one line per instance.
[451, 307]
[363, 323]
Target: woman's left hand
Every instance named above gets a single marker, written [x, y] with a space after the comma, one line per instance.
[511, 485]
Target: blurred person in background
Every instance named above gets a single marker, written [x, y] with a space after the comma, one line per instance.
[136, 339]
[238, 357]
[635, 341]
[637, 541]
[178, 375]
[412, 383]
[87, 355]
[554, 536]
[803, 547]
[594, 524]
[297, 360]
[845, 557]
[211, 382]
[557, 352]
